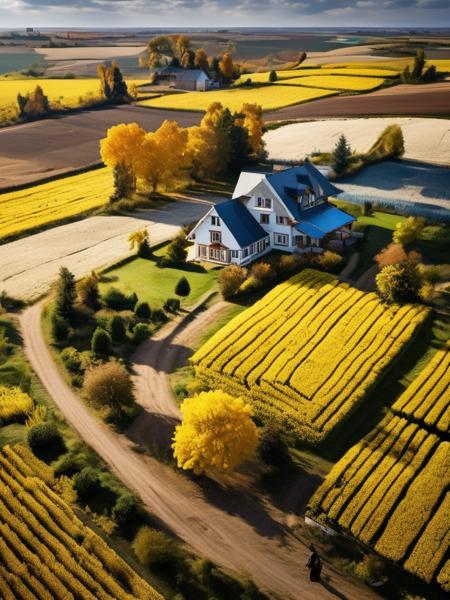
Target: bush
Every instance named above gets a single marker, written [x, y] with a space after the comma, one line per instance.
[273, 448]
[399, 283]
[390, 143]
[262, 273]
[43, 435]
[287, 264]
[86, 482]
[154, 548]
[109, 385]
[141, 332]
[125, 510]
[72, 360]
[183, 288]
[159, 316]
[88, 292]
[101, 344]
[59, 328]
[230, 280]
[117, 330]
[176, 251]
[409, 230]
[144, 250]
[330, 261]
[117, 300]
[67, 465]
[142, 310]
[172, 305]
[273, 76]
[14, 404]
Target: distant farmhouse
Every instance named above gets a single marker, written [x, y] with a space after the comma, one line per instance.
[285, 210]
[184, 79]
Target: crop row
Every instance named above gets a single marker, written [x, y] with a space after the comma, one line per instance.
[309, 351]
[47, 552]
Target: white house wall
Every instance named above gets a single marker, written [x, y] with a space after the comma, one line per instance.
[202, 232]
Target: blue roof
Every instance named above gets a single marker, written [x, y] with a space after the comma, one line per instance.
[244, 228]
[325, 218]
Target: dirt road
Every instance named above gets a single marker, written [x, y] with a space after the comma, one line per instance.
[29, 265]
[230, 528]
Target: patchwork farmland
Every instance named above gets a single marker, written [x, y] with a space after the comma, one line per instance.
[390, 490]
[309, 352]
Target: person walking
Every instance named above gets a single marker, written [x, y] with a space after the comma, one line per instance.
[314, 565]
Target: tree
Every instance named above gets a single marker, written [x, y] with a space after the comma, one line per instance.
[419, 64]
[341, 155]
[409, 230]
[65, 293]
[136, 238]
[176, 251]
[273, 76]
[158, 48]
[226, 67]
[188, 59]
[182, 288]
[33, 104]
[109, 385]
[101, 342]
[120, 150]
[418, 73]
[230, 280]
[201, 60]
[88, 292]
[181, 44]
[390, 143]
[112, 84]
[216, 434]
[117, 330]
[254, 124]
[142, 310]
[273, 449]
[203, 152]
[214, 68]
[399, 283]
[154, 548]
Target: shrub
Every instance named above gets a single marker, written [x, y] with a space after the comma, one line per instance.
[176, 251]
[273, 76]
[67, 465]
[399, 283]
[183, 288]
[88, 292]
[407, 231]
[101, 342]
[159, 316]
[42, 436]
[154, 548]
[142, 310]
[141, 332]
[59, 328]
[330, 261]
[262, 273]
[230, 280]
[117, 329]
[273, 449]
[287, 264]
[390, 143]
[86, 482]
[172, 305]
[117, 300]
[125, 509]
[14, 404]
[72, 360]
[144, 250]
[109, 385]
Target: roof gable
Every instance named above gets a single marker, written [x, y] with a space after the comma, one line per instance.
[243, 227]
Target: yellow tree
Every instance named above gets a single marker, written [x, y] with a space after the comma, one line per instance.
[119, 150]
[137, 237]
[253, 122]
[162, 157]
[201, 60]
[226, 66]
[216, 434]
[203, 151]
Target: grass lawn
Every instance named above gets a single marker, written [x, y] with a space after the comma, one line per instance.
[155, 284]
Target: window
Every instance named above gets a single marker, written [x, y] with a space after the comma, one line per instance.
[281, 239]
[218, 254]
[252, 248]
[216, 236]
[282, 220]
[263, 202]
[202, 251]
[245, 252]
[235, 254]
[264, 219]
[215, 221]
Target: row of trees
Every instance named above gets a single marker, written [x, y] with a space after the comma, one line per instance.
[177, 51]
[419, 73]
[168, 157]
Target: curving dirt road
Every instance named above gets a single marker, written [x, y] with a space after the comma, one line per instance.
[236, 530]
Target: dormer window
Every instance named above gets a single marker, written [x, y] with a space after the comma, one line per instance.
[263, 202]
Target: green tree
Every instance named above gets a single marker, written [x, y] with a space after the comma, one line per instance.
[88, 292]
[101, 342]
[400, 282]
[176, 251]
[419, 64]
[273, 76]
[183, 288]
[142, 310]
[341, 155]
[65, 293]
[117, 329]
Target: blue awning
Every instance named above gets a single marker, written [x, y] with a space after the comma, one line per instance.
[318, 222]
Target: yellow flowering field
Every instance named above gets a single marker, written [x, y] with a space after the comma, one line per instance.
[395, 64]
[390, 490]
[269, 97]
[46, 551]
[337, 82]
[45, 203]
[263, 77]
[309, 352]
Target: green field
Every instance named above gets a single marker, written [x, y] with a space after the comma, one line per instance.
[154, 284]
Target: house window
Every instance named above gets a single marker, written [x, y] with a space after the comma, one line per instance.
[218, 254]
[263, 202]
[202, 251]
[245, 252]
[281, 239]
[235, 254]
[264, 219]
[252, 248]
[215, 221]
[216, 236]
[282, 220]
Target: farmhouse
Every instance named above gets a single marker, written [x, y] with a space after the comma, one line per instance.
[184, 79]
[285, 210]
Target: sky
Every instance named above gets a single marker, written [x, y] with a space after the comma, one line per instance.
[224, 13]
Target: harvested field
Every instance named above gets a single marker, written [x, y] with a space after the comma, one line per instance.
[337, 82]
[294, 73]
[426, 140]
[83, 53]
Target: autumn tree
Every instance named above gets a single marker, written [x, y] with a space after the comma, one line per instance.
[188, 60]
[226, 67]
[230, 280]
[201, 60]
[180, 45]
[254, 124]
[409, 230]
[158, 48]
[120, 150]
[136, 238]
[112, 84]
[109, 386]
[203, 151]
[34, 104]
[399, 283]
[88, 292]
[216, 434]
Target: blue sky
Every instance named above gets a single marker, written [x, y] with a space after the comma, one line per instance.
[224, 13]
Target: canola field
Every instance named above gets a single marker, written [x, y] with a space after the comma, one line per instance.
[46, 203]
[263, 77]
[337, 82]
[45, 550]
[269, 97]
[391, 490]
[309, 352]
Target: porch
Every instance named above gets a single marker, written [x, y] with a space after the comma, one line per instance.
[220, 254]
